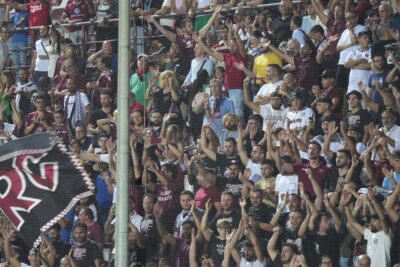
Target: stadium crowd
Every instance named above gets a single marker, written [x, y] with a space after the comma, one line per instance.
[258, 136]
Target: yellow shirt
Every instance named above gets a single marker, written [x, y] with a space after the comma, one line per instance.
[261, 63]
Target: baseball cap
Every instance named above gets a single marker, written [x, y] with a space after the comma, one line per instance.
[325, 99]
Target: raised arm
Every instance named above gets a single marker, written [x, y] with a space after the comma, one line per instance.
[287, 58]
[379, 211]
[12, 259]
[321, 15]
[271, 247]
[242, 152]
[335, 216]
[391, 202]
[352, 221]
[247, 100]
[204, 221]
[203, 144]
[203, 31]
[218, 56]
[169, 35]
[332, 129]
[161, 230]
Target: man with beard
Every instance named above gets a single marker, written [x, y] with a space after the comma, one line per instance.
[231, 182]
[260, 215]
[148, 230]
[307, 68]
[261, 63]
[257, 155]
[105, 111]
[329, 90]
[390, 131]
[180, 244]
[86, 253]
[267, 183]
[294, 228]
[274, 78]
[273, 111]
[289, 250]
[23, 92]
[325, 240]
[377, 234]
[229, 153]
[40, 57]
[230, 122]
[250, 253]
[299, 115]
[156, 121]
[228, 212]
[320, 172]
[186, 200]
[234, 75]
[76, 107]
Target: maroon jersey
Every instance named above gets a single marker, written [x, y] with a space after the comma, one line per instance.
[38, 13]
[77, 12]
[39, 127]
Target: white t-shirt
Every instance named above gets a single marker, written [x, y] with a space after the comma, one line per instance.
[41, 64]
[256, 263]
[268, 88]
[287, 183]
[71, 102]
[276, 115]
[308, 23]
[393, 133]
[357, 75]
[299, 119]
[346, 40]
[378, 247]
[299, 36]
[255, 171]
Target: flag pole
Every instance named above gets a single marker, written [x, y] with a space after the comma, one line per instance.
[123, 135]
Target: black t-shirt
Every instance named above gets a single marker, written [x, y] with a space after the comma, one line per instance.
[234, 186]
[86, 254]
[216, 247]
[223, 160]
[359, 119]
[97, 115]
[149, 232]
[317, 245]
[395, 253]
[281, 29]
[234, 217]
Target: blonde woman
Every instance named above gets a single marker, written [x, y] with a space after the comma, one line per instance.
[167, 96]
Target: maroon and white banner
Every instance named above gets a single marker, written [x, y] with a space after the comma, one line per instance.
[39, 183]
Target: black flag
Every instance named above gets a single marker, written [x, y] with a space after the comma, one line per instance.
[39, 183]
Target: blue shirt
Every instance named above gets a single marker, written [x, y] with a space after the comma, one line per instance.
[19, 36]
[218, 108]
[376, 97]
[103, 197]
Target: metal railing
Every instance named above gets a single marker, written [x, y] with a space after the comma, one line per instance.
[85, 42]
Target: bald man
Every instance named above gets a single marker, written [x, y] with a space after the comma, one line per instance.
[363, 261]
